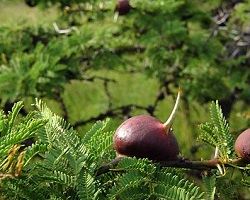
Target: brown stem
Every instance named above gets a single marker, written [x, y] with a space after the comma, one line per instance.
[200, 165]
[188, 164]
[107, 167]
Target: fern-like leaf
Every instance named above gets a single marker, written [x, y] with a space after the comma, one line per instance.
[13, 114]
[228, 189]
[207, 133]
[174, 193]
[132, 180]
[136, 179]
[176, 187]
[56, 124]
[96, 129]
[23, 189]
[20, 132]
[130, 164]
[33, 150]
[217, 133]
[98, 145]
[226, 141]
[86, 186]
[209, 182]
[3, 123]
[246, 183]
[64, 178]
[54, 159]
[137, 192]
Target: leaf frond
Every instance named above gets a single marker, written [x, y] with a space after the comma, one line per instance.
[129, 181]
[207, 134]
[210, 184]
[143, 165]
[226, 141]
[172, 186]
[96, 129]
[217, 132]
[13, 114]
[33, 150]
[86, 186]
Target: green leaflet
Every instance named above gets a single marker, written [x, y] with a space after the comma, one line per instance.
[174, 192]
[86, 186]
[96, 129]
[14, 131]
[130, 181]
[23, 189]
[217, 132]
[143, 165]
[142, 177]
[13, 115]
[222, 128]
[210, 184]
[175, 186]
[33, 150]
[64, 178]
[99, 144]
[246, 183]
[229, 189]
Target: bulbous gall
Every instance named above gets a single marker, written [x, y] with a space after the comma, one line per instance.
[144, 136]
[242, 145]
[123, 7]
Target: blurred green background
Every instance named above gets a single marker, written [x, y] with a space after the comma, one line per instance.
[117, 69]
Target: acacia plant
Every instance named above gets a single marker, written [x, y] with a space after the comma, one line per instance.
[198, 45]
[61, 164]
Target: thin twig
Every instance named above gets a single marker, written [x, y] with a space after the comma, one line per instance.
[180, 163]
[107, 167]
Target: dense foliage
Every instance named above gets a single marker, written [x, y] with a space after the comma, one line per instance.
[181, 43]
[63, 165]
[85, 63]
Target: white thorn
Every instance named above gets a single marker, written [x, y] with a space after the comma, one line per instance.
[116, 16]
[63, 31]
[221, 170]
[216, 153]
[170, 120]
